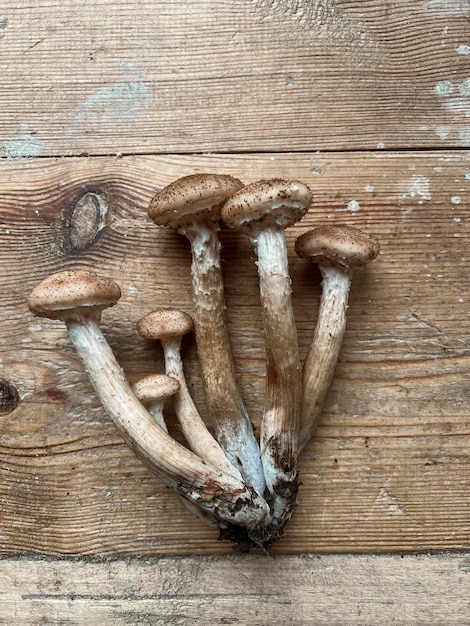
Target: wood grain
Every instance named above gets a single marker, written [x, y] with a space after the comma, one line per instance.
[253, 591]
[389, 469]
[104, 77]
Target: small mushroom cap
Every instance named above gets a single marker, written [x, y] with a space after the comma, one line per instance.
[59, 295]
[344, 246]
[191, 197]
[165, 324]
[275, 201]
[155, 387]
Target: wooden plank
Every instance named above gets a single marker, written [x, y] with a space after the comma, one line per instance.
[389, 469]
[253, 591]
[105, 77]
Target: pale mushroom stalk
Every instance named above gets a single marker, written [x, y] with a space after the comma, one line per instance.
[322, 356]
[169, 326]
[338, 251]
[152, 391]
[280, 422]
[191, 205]
[263, 210]
[77, 298]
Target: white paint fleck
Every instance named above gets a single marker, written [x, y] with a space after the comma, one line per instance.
[438, 169]
[463, 49]
[116, 102]
[369, 188]
[460, 300]
[120, 101]
[467, 176]
[443, 132]
[380, 145]
[34, 327]
[418, 186]
[353, 206]
[444, 88]
[23, 146]
[456, 199]
[460, 106]
[448, 8]
[464, 87]
[464, 138]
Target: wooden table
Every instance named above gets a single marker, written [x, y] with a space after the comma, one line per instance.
[368, 102]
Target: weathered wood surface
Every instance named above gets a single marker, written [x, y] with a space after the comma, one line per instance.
[389, 469]
[253, 591]
[104, 77]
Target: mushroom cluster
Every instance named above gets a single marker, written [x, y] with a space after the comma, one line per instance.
[244, 486]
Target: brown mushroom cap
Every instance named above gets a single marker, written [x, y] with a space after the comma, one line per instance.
[165, 324]
[59, 294]
[155, 387]
[192, 196]
[337, 245]
[274, 201]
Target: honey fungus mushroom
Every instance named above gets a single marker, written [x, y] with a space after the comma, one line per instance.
[263, 210]
[338, 251]
[78, 298]
[191, 206]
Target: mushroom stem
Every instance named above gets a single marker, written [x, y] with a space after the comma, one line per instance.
[77, 298]
[197, 435]
[232, 425]
[215, 492]
[280, 423]
[191, 205]
[322, 356]
[152, 391]
[169, 326]
[263, 210]
[338, 251]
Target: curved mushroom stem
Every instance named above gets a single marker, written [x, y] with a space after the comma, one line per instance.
[338, 251]
[213, 491]
[322, 356]
[197, 435]
[152, 391]
[232, 425]
[280, 423]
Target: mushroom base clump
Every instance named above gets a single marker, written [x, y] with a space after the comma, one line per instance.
[245, 487]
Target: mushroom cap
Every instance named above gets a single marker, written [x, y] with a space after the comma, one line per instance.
[275, 201]
[165, 324]
[59, 295]
[343, 246]
[192, 197]
[155, 387]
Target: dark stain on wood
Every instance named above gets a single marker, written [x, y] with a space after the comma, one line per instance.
[9, 397]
